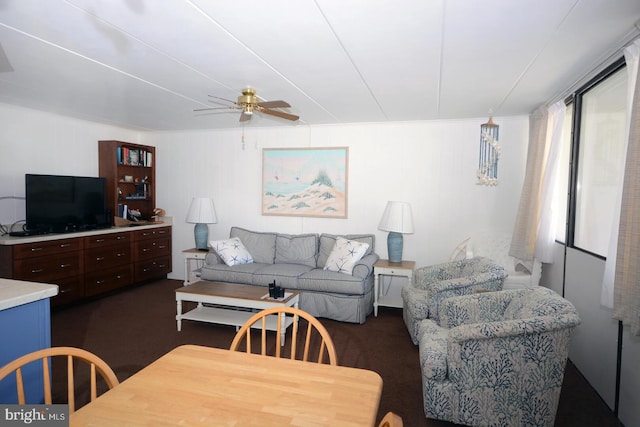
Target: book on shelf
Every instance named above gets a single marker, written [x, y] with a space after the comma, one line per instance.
[134, 157]
[122, 210]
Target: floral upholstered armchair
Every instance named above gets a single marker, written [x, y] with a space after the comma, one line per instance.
[433, 283]
[497, 358]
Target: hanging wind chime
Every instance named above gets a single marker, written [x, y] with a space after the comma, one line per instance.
[489, 154]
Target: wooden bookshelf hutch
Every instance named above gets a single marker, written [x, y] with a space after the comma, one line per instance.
[131, 176]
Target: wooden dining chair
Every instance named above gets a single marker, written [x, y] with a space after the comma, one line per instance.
[95, 364]
[315, 335]
[391, 420]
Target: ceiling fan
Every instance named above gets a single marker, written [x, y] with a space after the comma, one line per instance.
[248, 102]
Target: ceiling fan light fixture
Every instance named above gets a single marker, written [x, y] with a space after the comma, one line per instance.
[248, 102]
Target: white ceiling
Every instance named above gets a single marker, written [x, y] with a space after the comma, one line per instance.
[147, 64]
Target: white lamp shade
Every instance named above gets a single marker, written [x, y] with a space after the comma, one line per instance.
[202, 211]
[397, 218]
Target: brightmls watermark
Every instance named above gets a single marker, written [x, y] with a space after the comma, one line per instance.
[34, 415]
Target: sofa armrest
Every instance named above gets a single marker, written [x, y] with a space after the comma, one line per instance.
[364, 267]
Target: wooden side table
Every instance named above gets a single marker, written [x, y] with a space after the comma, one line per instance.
[396, 269]
[192, 255]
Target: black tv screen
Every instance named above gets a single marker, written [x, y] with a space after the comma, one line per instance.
[57, 204]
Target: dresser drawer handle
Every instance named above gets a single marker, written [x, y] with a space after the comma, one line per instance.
[120, 254]
[38, 270]
[100, 258]
[99, 240]
[36, 249]
[144, 270]
[146, 249]
[99, 282]
[120, 237]
[65, 245]
[65, 265]
[147, 234]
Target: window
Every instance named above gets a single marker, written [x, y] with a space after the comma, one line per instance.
[594, 138]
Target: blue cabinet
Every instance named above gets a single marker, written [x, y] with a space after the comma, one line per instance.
[25, 326]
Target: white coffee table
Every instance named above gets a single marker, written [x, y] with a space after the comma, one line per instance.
[234, 304]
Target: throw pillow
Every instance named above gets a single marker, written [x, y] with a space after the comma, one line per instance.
[345, 255]
[232, 251]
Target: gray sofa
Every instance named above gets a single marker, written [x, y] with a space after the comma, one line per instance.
[296, 262]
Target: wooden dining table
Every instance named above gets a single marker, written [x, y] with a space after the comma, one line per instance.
[197, 386]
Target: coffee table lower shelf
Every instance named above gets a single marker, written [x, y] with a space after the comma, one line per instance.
[226, 316]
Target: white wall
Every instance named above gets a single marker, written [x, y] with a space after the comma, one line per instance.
[36, 142]
[431, 165]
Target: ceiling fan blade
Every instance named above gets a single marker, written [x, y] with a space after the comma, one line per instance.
[245, 117]
[214, 108]
[279, 114]
[274, 104]
[228, 100]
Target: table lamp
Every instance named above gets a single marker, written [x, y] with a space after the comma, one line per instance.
[201, 212]
[397, 220]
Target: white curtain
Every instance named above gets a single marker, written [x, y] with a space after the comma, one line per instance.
[632, 59]
[626, 289]
[523, 239]
[535, 230]
[545, 238]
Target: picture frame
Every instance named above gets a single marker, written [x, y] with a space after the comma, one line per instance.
[308, 182]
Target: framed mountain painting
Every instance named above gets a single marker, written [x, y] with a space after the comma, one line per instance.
[305, 182]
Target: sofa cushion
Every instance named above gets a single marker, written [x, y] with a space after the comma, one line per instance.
[297, 249]
[242, 274]
[344, 255]
[261, 246]
[319, 280]
[285, 275]
[328, 241]
[232, 251]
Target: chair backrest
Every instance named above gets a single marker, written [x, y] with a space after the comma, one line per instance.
[391, 420]
[95, 363]
[315, 333]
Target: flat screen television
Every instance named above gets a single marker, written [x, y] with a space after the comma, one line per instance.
[59, 204]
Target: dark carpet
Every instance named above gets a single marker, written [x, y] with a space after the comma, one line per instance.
[132, 328]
